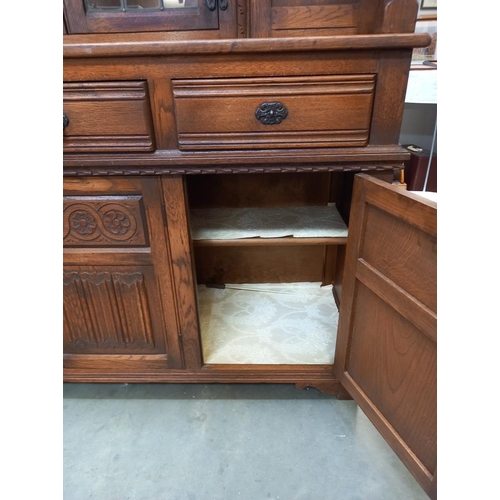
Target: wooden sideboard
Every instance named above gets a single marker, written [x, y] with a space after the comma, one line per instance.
[261, 113]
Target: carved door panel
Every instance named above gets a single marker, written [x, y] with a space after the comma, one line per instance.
[387, 336]
[298, 18]
[119, 300]
[280, 18]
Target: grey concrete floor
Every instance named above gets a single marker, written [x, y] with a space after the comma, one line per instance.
[224, 442]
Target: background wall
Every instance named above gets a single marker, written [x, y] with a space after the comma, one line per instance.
[418, 125]
[419, 119]
[426, 12]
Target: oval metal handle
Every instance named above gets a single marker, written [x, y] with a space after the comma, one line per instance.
[223, 4]
[65, 121]
[271, 113]
[211, 4]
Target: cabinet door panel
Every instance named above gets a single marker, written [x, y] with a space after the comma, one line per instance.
[279, 18]
[119, 298]
[386, 352]
[312, 15]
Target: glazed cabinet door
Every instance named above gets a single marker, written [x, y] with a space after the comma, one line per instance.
[120, 312]
[122, 16]
[387, 336]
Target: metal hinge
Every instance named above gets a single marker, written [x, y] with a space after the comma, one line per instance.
[212, 4]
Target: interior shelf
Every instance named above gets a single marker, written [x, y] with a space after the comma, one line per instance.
[268, 323]
[311, 225]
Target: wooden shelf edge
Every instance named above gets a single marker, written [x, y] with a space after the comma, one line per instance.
[270, 241]
[235, 375]
[136, 44]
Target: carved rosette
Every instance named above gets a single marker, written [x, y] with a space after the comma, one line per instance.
[94, 222]
[83, 223]
[117, 222]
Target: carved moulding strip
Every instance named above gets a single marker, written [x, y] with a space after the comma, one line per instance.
[106, 310]
[238, 169]
[108, 144]
[242, 11]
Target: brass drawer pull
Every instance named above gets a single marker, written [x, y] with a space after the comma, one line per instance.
[271, 113]
[65, 121]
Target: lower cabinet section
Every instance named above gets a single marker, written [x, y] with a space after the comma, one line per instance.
[206, 278]
[228, 280]
[151, 297]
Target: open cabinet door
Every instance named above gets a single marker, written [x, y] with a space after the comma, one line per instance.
[387, 336]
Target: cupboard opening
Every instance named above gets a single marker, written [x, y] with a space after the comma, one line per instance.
[268, 256]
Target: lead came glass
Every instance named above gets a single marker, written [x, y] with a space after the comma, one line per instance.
[103, 4]
[143, 4]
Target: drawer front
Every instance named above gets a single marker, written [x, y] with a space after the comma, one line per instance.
[287, 112]
[107, 117]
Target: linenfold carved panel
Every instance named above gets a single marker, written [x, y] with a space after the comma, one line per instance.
[103, 221]
[106, 310]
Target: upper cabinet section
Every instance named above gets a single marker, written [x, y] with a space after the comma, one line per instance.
[288, 18]
[197, 19]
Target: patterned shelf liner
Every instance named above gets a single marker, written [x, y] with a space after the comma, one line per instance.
[275, 222]
[283, 323]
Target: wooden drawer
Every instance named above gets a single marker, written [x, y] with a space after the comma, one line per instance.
[107, 117]
[282, 112]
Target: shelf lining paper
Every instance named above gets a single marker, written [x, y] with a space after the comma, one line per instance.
[268, 323]
[273, 222]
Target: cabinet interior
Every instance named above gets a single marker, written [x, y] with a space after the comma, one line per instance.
[293, 282]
